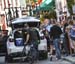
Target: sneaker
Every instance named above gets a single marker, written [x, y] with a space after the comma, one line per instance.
[58, 58]
[65, 55]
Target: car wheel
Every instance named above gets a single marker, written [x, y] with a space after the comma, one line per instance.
[8, 59]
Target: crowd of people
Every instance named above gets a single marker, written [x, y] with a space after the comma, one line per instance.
[60, 36]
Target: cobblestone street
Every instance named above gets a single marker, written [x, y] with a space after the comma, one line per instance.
[42, 62]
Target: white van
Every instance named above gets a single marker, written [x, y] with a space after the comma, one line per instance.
[14, 51]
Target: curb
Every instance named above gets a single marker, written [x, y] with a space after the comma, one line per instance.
[68, 60]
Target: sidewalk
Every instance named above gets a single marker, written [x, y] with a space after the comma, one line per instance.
[70, 59]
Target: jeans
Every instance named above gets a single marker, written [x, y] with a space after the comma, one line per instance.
[56, 43]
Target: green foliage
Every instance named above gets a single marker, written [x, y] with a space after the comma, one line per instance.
[53, 14]
[70, 3]
[50, 15]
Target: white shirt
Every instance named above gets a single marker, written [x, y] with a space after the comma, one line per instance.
[48, 27]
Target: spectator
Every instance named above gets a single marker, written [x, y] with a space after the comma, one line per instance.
[31, 36]
[47, 25]
[65, 39]
[66, 42]
[55, 34]
[72, 35]
[26, 34]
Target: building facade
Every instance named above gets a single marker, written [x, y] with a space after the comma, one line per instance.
[3, 25]
[9, 9]
[61, 10]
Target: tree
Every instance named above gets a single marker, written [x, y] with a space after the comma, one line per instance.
[70, 3]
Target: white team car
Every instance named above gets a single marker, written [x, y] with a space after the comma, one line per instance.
[14, 49]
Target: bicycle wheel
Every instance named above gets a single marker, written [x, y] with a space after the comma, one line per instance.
[33, 55]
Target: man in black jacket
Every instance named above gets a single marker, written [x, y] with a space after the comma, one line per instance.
[55, 34]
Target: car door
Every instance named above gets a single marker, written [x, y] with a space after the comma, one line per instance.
[3, 39]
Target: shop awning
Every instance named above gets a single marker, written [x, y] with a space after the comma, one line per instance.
[47, 5]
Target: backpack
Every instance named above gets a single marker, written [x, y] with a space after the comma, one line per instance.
[72, 33]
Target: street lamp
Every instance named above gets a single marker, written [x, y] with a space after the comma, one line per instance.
[16, 12]
[30, 10]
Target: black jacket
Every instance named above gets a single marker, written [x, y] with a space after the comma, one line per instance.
[55, 32]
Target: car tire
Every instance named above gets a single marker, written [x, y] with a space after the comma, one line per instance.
[8, 59]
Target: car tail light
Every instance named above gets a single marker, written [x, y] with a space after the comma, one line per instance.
[11, 40]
